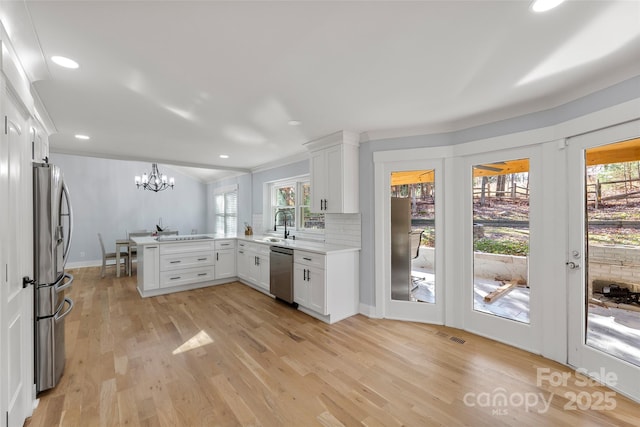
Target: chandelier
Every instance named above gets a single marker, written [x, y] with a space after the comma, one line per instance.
[156, 181]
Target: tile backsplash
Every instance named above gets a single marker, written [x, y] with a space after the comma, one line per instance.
[342, 229]
[339, 229]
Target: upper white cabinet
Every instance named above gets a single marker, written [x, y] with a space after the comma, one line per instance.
[334, 173]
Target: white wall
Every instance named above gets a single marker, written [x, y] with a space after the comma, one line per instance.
[105, 200]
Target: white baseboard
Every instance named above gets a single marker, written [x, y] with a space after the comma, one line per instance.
[80, 264]
[368, 310]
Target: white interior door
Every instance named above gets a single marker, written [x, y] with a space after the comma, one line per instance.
[604, 331]
[501, 255]
[16, 302]
[413, 241]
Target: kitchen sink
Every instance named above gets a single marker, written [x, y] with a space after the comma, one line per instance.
[272, 239]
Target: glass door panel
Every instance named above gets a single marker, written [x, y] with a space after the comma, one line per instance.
[412, 202]
[500, 200]
[612, 235]
[413, 212]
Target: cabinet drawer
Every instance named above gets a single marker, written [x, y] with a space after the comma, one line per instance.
[179, 261]
[311, 259]
[185, 276]
[225, 244]
[181, 248]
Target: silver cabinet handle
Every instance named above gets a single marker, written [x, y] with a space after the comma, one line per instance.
[306, 259]
[174, 278]
[308, 275]
[66, 285]
[152, 247]
[202, 274]
[175, 262]
[202, 259]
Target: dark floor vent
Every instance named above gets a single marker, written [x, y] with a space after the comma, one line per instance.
[458, 340]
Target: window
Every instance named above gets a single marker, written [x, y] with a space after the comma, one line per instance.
[293, 199]
[226, 210]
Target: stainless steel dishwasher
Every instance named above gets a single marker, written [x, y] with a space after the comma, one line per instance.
[281, 273]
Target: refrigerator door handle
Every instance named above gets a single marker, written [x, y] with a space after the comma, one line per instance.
[66, 285]
[65, 191]
[58, 317]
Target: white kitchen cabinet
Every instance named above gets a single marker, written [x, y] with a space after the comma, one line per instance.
[309, 280]
[175, 266]
[326, 286]
[149, 268]
[334, 173]
[256, 267]
[225, 262]
[242, 261]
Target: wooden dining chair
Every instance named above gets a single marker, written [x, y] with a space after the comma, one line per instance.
[107, 256]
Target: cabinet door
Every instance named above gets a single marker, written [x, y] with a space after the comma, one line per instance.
[333, 199]
[265, 273]
[225, 264]
[318, 168]
[253, 270]
[317, 300]
[150, 268]
[300, 285]
[242, 263]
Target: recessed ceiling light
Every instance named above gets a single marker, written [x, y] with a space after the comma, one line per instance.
[224, 156]
[294, 123]
[85, 137]
[544, 5]
[65, 62]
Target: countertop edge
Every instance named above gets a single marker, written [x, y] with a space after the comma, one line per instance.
[316, 247]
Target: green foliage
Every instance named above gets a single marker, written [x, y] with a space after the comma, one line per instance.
[503, 247]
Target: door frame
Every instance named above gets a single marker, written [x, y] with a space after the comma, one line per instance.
[616, 373]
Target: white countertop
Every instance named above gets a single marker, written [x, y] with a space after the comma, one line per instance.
[305, 245]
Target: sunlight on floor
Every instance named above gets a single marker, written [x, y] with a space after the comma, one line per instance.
[198, 340]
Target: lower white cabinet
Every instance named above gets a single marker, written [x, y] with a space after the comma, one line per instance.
[242, 261]
[326, 286]
[253, 264]
[167, 267]
[225, 258]
[148, 267]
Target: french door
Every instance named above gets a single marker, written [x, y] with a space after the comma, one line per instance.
[501, 245]
[603, 256]
[412, 240]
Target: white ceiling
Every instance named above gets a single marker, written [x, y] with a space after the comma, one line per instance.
[182, 82]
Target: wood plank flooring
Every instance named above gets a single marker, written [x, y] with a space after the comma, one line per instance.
[231, 356]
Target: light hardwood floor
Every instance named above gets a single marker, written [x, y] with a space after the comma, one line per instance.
[229, 355]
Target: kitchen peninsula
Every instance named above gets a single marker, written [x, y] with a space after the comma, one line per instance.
[325, 278]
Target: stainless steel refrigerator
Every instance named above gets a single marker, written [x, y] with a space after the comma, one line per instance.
[400, 248]
[53, 225]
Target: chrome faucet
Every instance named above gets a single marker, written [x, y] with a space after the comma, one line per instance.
[275, 222]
